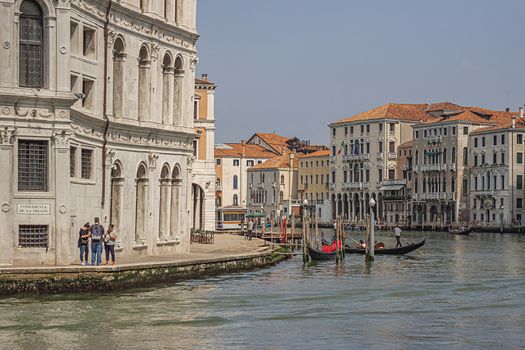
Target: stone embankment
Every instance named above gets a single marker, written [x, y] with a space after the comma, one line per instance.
[228, 254]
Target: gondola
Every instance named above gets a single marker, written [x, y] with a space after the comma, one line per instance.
[317, 254]
[464, 232]
[387, 251]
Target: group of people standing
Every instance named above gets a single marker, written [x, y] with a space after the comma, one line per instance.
[97, 235]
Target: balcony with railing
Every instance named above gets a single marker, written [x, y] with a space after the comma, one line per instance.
[218, 187]
[433, 167]
[355, 185]
[396, 182]
[379, 155]
[356, 157]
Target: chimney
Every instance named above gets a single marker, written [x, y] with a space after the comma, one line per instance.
[507, 109]
[243, 144]
[204, 77]
[521, 112]
[513, 121]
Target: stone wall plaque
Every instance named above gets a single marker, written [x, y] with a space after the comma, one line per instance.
[34, 209]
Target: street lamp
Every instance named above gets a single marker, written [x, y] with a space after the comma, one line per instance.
[371, 240]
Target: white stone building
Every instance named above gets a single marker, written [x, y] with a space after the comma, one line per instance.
[272, 187]
[496, 176]
[96, 119]
[363, 156]
[441, 163]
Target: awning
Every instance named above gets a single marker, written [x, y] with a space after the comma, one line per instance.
[391, 188]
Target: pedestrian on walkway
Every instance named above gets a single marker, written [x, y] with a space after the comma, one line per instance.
[109, 244]
[97, 232]
[250, 229]
[83, 240]
[397, 233]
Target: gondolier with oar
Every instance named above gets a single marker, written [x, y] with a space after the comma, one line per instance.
[397, 233]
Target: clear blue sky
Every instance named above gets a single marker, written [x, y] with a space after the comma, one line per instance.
[293, 66]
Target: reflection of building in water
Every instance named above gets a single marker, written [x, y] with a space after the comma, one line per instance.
[96, 120]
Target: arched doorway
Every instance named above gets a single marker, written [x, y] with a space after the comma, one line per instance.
[141, 203]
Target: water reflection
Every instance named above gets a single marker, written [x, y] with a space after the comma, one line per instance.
[453, 296]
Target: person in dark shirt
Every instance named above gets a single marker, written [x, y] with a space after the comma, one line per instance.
[83, 239]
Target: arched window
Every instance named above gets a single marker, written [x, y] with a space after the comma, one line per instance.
[141, 203]
[465, 156]
[176, 183]
[282, 179]
[235, 200]
[235, 182]
[117, 185]
[119, 61]
[444, 188]
[444, 155]
[31, 45]
[165, 202]
[417, 158]
[144, 92]
[452, 185]
[178, 91]
[281, 197]
[453, 155]
[167, 83]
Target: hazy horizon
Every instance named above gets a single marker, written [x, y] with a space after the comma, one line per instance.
[279, 63]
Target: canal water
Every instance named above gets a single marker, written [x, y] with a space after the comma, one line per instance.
[459, 293]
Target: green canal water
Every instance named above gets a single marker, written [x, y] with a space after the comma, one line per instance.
[463, 293]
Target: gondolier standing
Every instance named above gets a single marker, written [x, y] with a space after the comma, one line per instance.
[397, 233]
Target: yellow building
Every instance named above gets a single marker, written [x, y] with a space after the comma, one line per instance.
[314, 173]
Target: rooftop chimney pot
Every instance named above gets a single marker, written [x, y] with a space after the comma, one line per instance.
[521, 112]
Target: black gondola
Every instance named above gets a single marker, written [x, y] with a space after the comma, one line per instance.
[464, 232]
[387, 251]
[317, 254]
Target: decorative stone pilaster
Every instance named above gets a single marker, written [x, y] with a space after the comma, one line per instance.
[7, 140]
[62, 238]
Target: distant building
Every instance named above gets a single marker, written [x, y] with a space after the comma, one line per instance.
[441, 163]
[363, 156]
[203, 189]
[272, 187]
[314, 171]
[496, 191]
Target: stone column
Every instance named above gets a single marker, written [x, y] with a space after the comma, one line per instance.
[170, 11]
[165, 208]
[62, 237]
[144, 97]
[119, 65]
[167, 95]
[7, 211]
[178, 97]
[175, 208]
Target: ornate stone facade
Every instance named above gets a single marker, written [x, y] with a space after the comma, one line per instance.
[96, 120]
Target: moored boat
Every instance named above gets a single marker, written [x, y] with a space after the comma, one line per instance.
[462, 232]
[317, 254]
[388, 251]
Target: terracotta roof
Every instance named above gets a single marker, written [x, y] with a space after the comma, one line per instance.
[275, 141]
[400, 111]
[320, 153]
[203, 82]
[235, 150]
[440, 106]
[407, 144]
[277, 162]
[507, 124]
[466, 116]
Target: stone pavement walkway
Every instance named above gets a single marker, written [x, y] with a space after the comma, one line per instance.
[226, 246]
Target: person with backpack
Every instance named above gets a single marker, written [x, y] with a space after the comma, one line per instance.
[109, 244]
[97, 232]
[83, 240]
